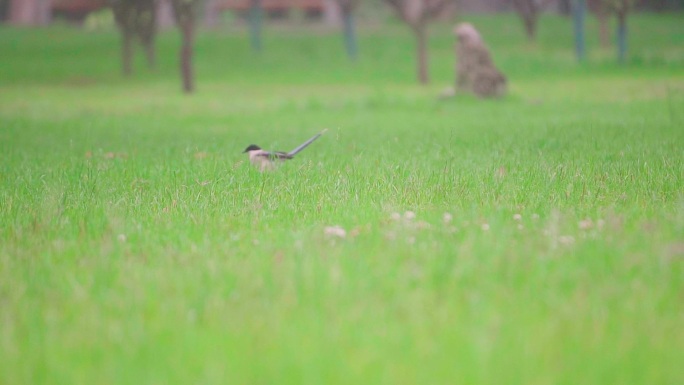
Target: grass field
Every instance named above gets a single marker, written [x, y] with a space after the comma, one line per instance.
[537, 239]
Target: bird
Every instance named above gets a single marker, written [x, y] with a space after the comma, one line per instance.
[267, 160]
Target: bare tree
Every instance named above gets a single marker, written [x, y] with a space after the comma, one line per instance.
[621, 8]
[184, 11]
[347, 10]
[601, 11]
[135, 19]
[529, 11]
[417, 14]
[565, 7]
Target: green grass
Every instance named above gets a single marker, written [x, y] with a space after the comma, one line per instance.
[137, 246]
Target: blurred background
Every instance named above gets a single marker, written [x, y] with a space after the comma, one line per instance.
[140, 21]
[217, 12]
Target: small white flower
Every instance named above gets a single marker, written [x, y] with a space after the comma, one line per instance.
[409, 215]
[395, 216]
[420, 225]
[447, 218]
[335, 231]
[585, 224]
[121, 237]
[517, 217]
[485, 227]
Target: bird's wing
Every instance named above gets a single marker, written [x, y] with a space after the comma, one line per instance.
[274, 155]
[280, 155]
[303, 145]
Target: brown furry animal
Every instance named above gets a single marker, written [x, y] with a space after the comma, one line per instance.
[475, 70]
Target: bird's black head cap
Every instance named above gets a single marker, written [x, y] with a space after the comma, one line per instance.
[252, 147]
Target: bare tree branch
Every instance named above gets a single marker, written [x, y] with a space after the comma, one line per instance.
[417, 14]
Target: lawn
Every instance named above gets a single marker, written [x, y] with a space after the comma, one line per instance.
[536, 239]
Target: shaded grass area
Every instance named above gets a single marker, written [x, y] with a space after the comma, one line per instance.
[137, 246]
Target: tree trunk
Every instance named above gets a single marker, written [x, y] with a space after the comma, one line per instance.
[528, 11]
[350, 35]
[184, 12]
[127, 52]
[136, 20]
[565, 7]
[187, 30]
[420, 31]
[530, 21]
[622, 36]
[147, 30]
[604, 33]
[579, 12]
[150, 54]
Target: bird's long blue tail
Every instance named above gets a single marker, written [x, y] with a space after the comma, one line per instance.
[305, 144]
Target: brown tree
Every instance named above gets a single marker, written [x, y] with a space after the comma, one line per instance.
[600, 10]
[529, 11]
[417, 14]
[135, 19]
[138, 19]
[621, 8]
[184, 12]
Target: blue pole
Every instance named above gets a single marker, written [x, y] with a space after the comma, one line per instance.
[350, 36]
[255, 25]
[622, 37]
